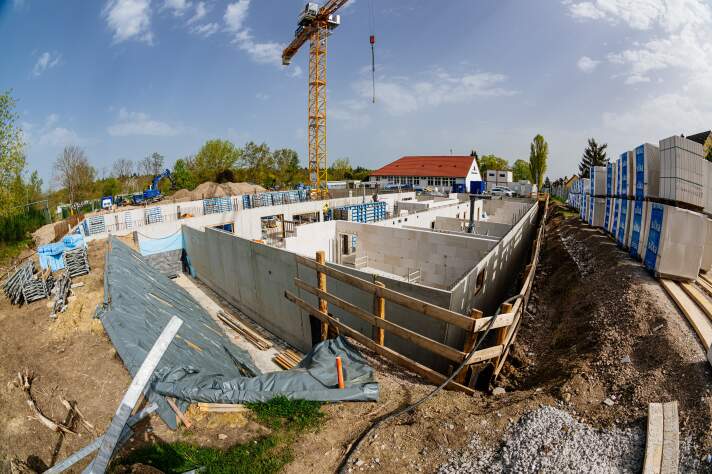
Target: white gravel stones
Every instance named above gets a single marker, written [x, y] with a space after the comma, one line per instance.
[550, 440]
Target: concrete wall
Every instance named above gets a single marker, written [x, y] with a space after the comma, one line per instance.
[441, 258]
[251, 276]
[505, 211]
[484, 228]
[310, 238]
[426, 219]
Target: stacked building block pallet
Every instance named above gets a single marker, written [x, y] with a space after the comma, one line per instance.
[153, 215]
[14, 284]
[368, 212]
[274, 198]
[217, 205]
[94, 225]
[76, 262]
[653, 206]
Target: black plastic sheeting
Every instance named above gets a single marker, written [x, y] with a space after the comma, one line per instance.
[202, 364]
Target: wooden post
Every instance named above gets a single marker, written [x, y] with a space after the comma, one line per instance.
[379, 310]
[501, 334]
[323, 305]
[470, 341]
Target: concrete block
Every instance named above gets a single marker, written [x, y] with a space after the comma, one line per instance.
[647, 172]
[598, 180]
[676, 241]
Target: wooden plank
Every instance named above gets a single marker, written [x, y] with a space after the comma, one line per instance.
[469, 344]
[702, 301]
[703, 276]
[501, 334]
[430, 310]
[692, 312]
[502, 320]
[132, 395]
[94, 445]
[411, 336]
[379, 310]
[705, 286]
[654, 442]
[181, 416]
[386, 352]
[321, 281]
[671, 439]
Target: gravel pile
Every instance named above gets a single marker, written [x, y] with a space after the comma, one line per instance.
[550, 440]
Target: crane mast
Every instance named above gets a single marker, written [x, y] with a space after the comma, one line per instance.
[315, 24]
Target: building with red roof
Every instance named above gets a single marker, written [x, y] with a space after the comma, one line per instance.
[445, 173]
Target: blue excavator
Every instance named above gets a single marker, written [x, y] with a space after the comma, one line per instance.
[153, 194]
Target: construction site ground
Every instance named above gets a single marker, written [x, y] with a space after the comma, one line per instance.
[600, 340]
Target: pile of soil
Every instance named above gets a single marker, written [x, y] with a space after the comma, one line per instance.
[43, 235]
[210, 189]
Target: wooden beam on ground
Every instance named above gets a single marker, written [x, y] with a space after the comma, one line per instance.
[698, 297]
[671, 439]
[696, 317]
[181, 416]
[705, 286]
[703, 276]
[386, 352]
[654, 441]
[430, 310]
[111, 437]
[417, 339]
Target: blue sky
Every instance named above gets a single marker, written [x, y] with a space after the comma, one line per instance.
[124, 78]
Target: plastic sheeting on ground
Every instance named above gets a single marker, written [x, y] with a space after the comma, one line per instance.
[51, 255]
[202, 364]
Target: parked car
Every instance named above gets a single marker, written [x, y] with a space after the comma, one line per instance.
[502, 191]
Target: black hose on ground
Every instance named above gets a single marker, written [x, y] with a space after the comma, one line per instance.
[357, 443]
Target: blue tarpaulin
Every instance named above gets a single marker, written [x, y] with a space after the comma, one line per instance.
[51, 254]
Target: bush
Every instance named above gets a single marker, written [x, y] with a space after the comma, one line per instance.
[17, 227]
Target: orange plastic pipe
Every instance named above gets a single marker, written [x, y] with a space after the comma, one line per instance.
[339, 372]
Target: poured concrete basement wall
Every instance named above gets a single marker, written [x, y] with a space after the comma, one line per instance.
[484, 228]
[441, 258]
[253, 277]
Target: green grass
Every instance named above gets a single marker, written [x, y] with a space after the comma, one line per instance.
[287, 419]
[8, 251]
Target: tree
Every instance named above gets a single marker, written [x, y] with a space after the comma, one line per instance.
[12, 156]
[340, 169]
[492, 162]
[594, 155]
[286, 164]
[213, 158]
[183, 175]
[110, 187]
[360, 173]
[73, 172]
[258, 162]
[538, 156]
[520, 171]
[152, 164]
[122, 169]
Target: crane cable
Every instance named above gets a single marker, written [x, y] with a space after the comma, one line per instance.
[372, 40]
[357, 442]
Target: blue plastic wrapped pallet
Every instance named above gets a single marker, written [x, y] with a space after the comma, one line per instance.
[153, 215]
[368, 212]
[50, 255]
[94, 225]
[217, 205]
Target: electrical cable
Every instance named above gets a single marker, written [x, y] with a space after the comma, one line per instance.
[357, 443]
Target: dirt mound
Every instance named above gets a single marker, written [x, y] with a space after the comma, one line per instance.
[43, 235]
[598, 327]
[210, 189]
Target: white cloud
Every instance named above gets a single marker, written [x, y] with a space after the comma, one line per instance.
[129, 19]
[269, 52]
[138, 123]
[681, 37]
[46, 61]
[178, 7]
[262, 96]
[49, 134]
[587, 64]
[405, 95]
[235, 15]
[205, 30]
[200, 11]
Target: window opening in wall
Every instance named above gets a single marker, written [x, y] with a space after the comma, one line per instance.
[480, 281]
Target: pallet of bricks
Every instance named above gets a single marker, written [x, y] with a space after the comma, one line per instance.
[368, 212]
[655, 202]
[24, 286]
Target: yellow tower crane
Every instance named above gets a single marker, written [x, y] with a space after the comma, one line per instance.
[315, 24]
